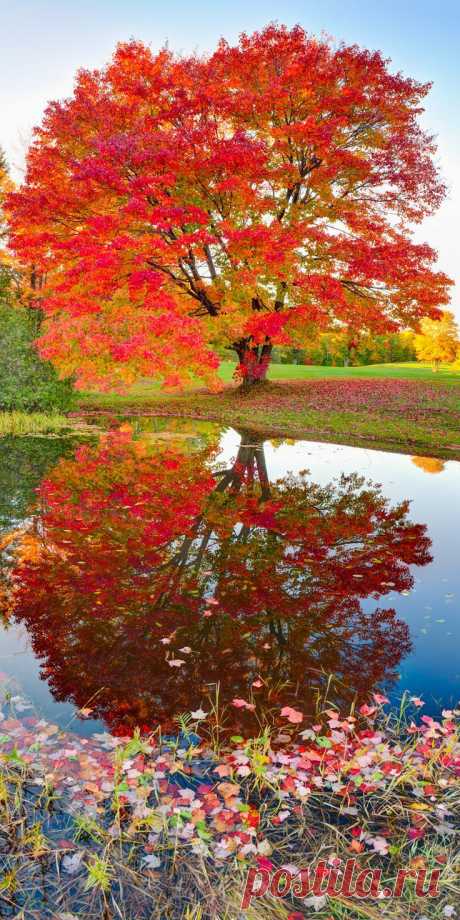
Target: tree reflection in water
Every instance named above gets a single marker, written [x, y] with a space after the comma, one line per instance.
[148, 557]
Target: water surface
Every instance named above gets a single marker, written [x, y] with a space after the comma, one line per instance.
[171, 566]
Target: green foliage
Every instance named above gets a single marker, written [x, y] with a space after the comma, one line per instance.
[26, 382]
[332, 349]
[24, 462]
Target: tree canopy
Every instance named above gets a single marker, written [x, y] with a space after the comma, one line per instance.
[243, 199]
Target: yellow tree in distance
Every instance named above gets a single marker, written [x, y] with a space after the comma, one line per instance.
[438, 341]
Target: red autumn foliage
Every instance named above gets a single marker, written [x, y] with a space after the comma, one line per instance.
[156, 579]
[244, 199]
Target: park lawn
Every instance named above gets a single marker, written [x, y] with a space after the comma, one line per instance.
[403, 407]
[145, 390]
[404, 371]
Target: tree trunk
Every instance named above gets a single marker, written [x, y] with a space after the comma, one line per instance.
[352, 347]
[249, 468]
[254, 361]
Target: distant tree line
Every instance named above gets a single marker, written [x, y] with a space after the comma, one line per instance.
[338, 349]
[436, 342]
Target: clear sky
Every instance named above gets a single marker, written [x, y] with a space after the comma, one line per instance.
[43, 43]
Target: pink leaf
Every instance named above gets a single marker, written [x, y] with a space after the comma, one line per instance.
[243, 704]
[380, 699]
[292, 715]
[366, 710]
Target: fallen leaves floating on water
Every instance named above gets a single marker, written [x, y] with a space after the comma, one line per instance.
[206, 806]
[243, 704]
[292, 715]
[198, 715]
[417, 701]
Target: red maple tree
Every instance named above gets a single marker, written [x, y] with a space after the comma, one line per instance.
[181, 204]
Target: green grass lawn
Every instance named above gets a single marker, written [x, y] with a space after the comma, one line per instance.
[412, 371]
[419, 419]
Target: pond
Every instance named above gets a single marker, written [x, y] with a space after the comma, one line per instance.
[168, 566]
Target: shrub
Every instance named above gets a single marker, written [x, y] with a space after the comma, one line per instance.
[26, 382]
